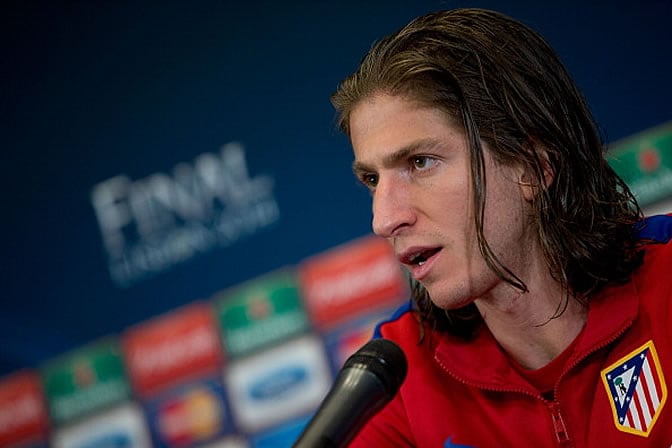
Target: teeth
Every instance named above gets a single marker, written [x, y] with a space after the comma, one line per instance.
[418, 259]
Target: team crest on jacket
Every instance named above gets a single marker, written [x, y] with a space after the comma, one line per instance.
[637, 389]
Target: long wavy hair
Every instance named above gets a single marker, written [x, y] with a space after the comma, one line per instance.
[505, 85]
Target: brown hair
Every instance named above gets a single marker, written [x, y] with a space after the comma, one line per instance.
[504, 84]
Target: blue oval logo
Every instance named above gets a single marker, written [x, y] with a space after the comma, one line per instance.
[111, 440]
[278, 383]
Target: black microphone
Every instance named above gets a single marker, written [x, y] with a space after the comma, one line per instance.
[368, 380]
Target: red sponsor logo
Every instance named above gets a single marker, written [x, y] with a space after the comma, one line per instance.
[172, 348]
[350, 280]
[23, 414]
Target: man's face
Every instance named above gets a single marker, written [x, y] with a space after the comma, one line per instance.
[416, 165]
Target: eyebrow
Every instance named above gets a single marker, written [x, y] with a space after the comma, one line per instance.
[401, 154]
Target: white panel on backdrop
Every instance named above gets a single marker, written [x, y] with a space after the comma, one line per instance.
[123, 426]
[288, 380]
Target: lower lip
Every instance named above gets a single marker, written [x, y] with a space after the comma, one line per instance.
[420, 272]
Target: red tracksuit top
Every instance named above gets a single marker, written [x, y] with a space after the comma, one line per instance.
[613, 391]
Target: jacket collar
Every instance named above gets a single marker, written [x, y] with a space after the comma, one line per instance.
[480, 362]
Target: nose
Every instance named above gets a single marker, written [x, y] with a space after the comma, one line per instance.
[392, 207]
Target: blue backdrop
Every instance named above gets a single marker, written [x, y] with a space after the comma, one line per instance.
[109, 106]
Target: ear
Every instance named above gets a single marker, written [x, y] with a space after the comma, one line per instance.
[533, 179]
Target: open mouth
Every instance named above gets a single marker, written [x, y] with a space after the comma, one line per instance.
[420, 258]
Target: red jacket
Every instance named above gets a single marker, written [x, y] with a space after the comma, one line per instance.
[612, 392]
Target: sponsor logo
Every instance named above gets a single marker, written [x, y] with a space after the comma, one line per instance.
[111, 440]
[644, 162]
[121, 427]
[152, 224]
[23, 415]
[194, 417]
[193, 413]
[278, 383]
[350, 280]
[85, 380]
[637, 390]
[262, 312]
[173, 347]
[275, 385]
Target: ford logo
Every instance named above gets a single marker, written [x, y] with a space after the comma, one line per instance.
[112, 440]
[278, 383]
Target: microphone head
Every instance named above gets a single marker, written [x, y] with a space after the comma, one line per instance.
[384, 359]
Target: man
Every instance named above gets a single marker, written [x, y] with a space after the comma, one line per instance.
[541, 296]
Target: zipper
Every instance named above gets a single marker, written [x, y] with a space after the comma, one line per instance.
[561, 434]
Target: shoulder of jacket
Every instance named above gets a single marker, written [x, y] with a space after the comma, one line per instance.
[655, 229]
[404, 327]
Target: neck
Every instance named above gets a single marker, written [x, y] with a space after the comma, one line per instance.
[534, 327]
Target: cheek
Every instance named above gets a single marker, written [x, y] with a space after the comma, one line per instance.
[453, 209]
[449, 205]
[454, 225]
[504, 227]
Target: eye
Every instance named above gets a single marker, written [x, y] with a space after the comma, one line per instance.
[422, 163]
[369, 180]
